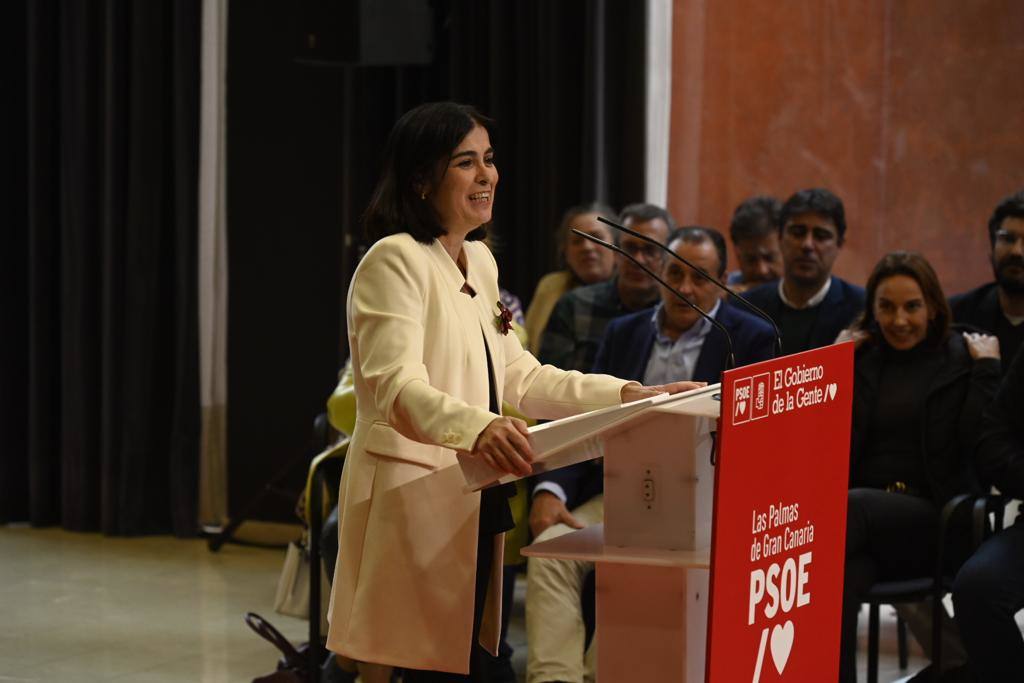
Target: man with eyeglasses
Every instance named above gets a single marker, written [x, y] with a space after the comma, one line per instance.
[809, 304]
[577, 322]
[998, 307]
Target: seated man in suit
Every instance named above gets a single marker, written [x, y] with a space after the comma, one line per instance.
[668, 342]
[809, 304]
[998, 307]
[989, 588]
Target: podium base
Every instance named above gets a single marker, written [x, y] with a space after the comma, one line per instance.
[588, 544]
[652, 606]
[652, 623]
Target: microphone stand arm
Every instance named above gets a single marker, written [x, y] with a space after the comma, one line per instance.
[757, 311]
[730, 359]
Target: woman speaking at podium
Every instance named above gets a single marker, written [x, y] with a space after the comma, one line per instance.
[418, 577]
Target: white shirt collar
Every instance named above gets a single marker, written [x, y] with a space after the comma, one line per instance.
[813, 301]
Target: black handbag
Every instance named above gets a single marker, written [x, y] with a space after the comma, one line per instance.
[293, 667]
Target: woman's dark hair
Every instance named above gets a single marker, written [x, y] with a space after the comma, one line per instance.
[916, 267]
[415, 160]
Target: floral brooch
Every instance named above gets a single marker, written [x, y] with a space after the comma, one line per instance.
[503, 320]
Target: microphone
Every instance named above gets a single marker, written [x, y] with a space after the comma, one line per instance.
[749, 306]
[730, 359]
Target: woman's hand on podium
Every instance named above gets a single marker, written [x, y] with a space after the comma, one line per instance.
[504, 444]
[547, 510]
[634, 391]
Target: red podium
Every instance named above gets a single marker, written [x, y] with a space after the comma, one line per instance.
[721, 572]
[780, 519]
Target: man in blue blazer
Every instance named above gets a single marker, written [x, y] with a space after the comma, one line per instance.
[809, 304]
[665, 343]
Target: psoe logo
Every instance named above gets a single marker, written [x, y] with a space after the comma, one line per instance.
[742, 401]
[760, 394]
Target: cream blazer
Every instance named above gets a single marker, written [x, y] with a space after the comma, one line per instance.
[404, 584]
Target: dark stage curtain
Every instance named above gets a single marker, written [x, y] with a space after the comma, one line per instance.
[566, 83]
[99, 420]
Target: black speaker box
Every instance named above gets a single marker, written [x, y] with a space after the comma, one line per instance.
[365, 32]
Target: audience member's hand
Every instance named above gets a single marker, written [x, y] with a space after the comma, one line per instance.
[634, 391]
[982, 345]
[547, 510]
[858, 337]
[504, 444]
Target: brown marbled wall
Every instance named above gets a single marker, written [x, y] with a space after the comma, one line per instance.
[912, 111]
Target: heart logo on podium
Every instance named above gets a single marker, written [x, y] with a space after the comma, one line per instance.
[741, 407]
[831, 389]
[782, 644]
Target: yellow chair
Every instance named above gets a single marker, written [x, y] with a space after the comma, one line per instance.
[341, 415]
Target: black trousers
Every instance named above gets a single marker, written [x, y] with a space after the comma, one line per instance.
[889, 536]
[988, 591]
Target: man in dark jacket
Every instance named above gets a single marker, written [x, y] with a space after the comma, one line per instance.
[669, 342]
[989, 588]
[809, 304]
[998, 307]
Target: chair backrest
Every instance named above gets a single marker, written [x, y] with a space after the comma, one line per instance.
[330, 461]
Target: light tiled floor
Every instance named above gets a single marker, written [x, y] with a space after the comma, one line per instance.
[84, 608]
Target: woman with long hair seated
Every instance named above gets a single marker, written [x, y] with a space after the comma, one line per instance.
[585, 264]
[919, 392]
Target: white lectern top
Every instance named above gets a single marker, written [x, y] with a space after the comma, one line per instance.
[581, 437]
